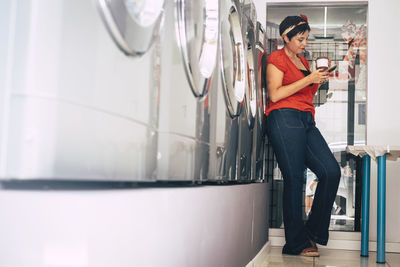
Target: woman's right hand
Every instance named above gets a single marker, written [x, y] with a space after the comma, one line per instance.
[319, 76]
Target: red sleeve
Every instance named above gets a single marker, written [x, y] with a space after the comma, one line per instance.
[278, 61]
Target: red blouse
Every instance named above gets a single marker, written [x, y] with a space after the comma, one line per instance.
[301, 100]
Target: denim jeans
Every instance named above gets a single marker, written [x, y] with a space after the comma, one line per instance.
[298, 144]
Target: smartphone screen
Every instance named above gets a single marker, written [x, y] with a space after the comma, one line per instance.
[332, 68]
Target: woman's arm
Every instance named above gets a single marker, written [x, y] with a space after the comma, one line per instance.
[278, 92]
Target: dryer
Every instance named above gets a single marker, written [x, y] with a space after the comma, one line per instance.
[248, 116]
[75, 103]
[258, 141]
[188, 63]
[230, 93]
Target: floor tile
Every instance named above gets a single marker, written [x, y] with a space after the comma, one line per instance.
[393, 259]
[328, 258]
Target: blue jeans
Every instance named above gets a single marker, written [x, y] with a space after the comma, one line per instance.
[298, 144]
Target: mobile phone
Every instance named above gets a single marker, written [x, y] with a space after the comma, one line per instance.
[332, 68]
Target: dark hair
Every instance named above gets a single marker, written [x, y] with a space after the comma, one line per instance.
[290, 21]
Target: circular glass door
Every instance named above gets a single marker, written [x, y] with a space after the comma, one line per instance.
[233, 68]
[251, 88]
[261, 74]
[133, 24]
[197, 26]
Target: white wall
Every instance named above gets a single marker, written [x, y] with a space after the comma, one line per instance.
[261, 12]
[383, 121]
[174, 226]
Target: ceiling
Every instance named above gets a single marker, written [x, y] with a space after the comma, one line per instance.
[336, 16]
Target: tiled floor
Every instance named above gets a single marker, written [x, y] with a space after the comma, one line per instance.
[329, 257]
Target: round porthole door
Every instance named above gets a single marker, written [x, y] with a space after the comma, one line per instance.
[197, 31]
[261, 73]
[133, 24]
[251, 88]
[233, 58]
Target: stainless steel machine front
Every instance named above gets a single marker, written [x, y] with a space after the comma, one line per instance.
[189, 57]
[258, 143]
[73, 106]
[125, 90]
[231, 88]
[247, 117]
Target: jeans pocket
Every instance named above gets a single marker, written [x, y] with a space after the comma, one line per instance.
[291, 118]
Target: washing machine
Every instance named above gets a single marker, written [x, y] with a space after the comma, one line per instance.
[188, 63]
[247, 117]
[80, 94]
[258, 141]
[230, 85]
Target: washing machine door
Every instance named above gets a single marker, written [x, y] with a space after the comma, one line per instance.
[251, 88]
[261, 73]
[133, 24]
[197, 31]
[233, 66]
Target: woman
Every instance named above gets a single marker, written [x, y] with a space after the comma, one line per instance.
[296, 140]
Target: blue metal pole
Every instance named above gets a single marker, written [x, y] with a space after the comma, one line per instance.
[365, 205]
[380, 246]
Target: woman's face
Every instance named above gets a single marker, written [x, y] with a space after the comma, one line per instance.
[298, 42]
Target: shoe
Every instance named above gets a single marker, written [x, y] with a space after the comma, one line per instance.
[310, 252]
[314, 245]
[307, 252]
